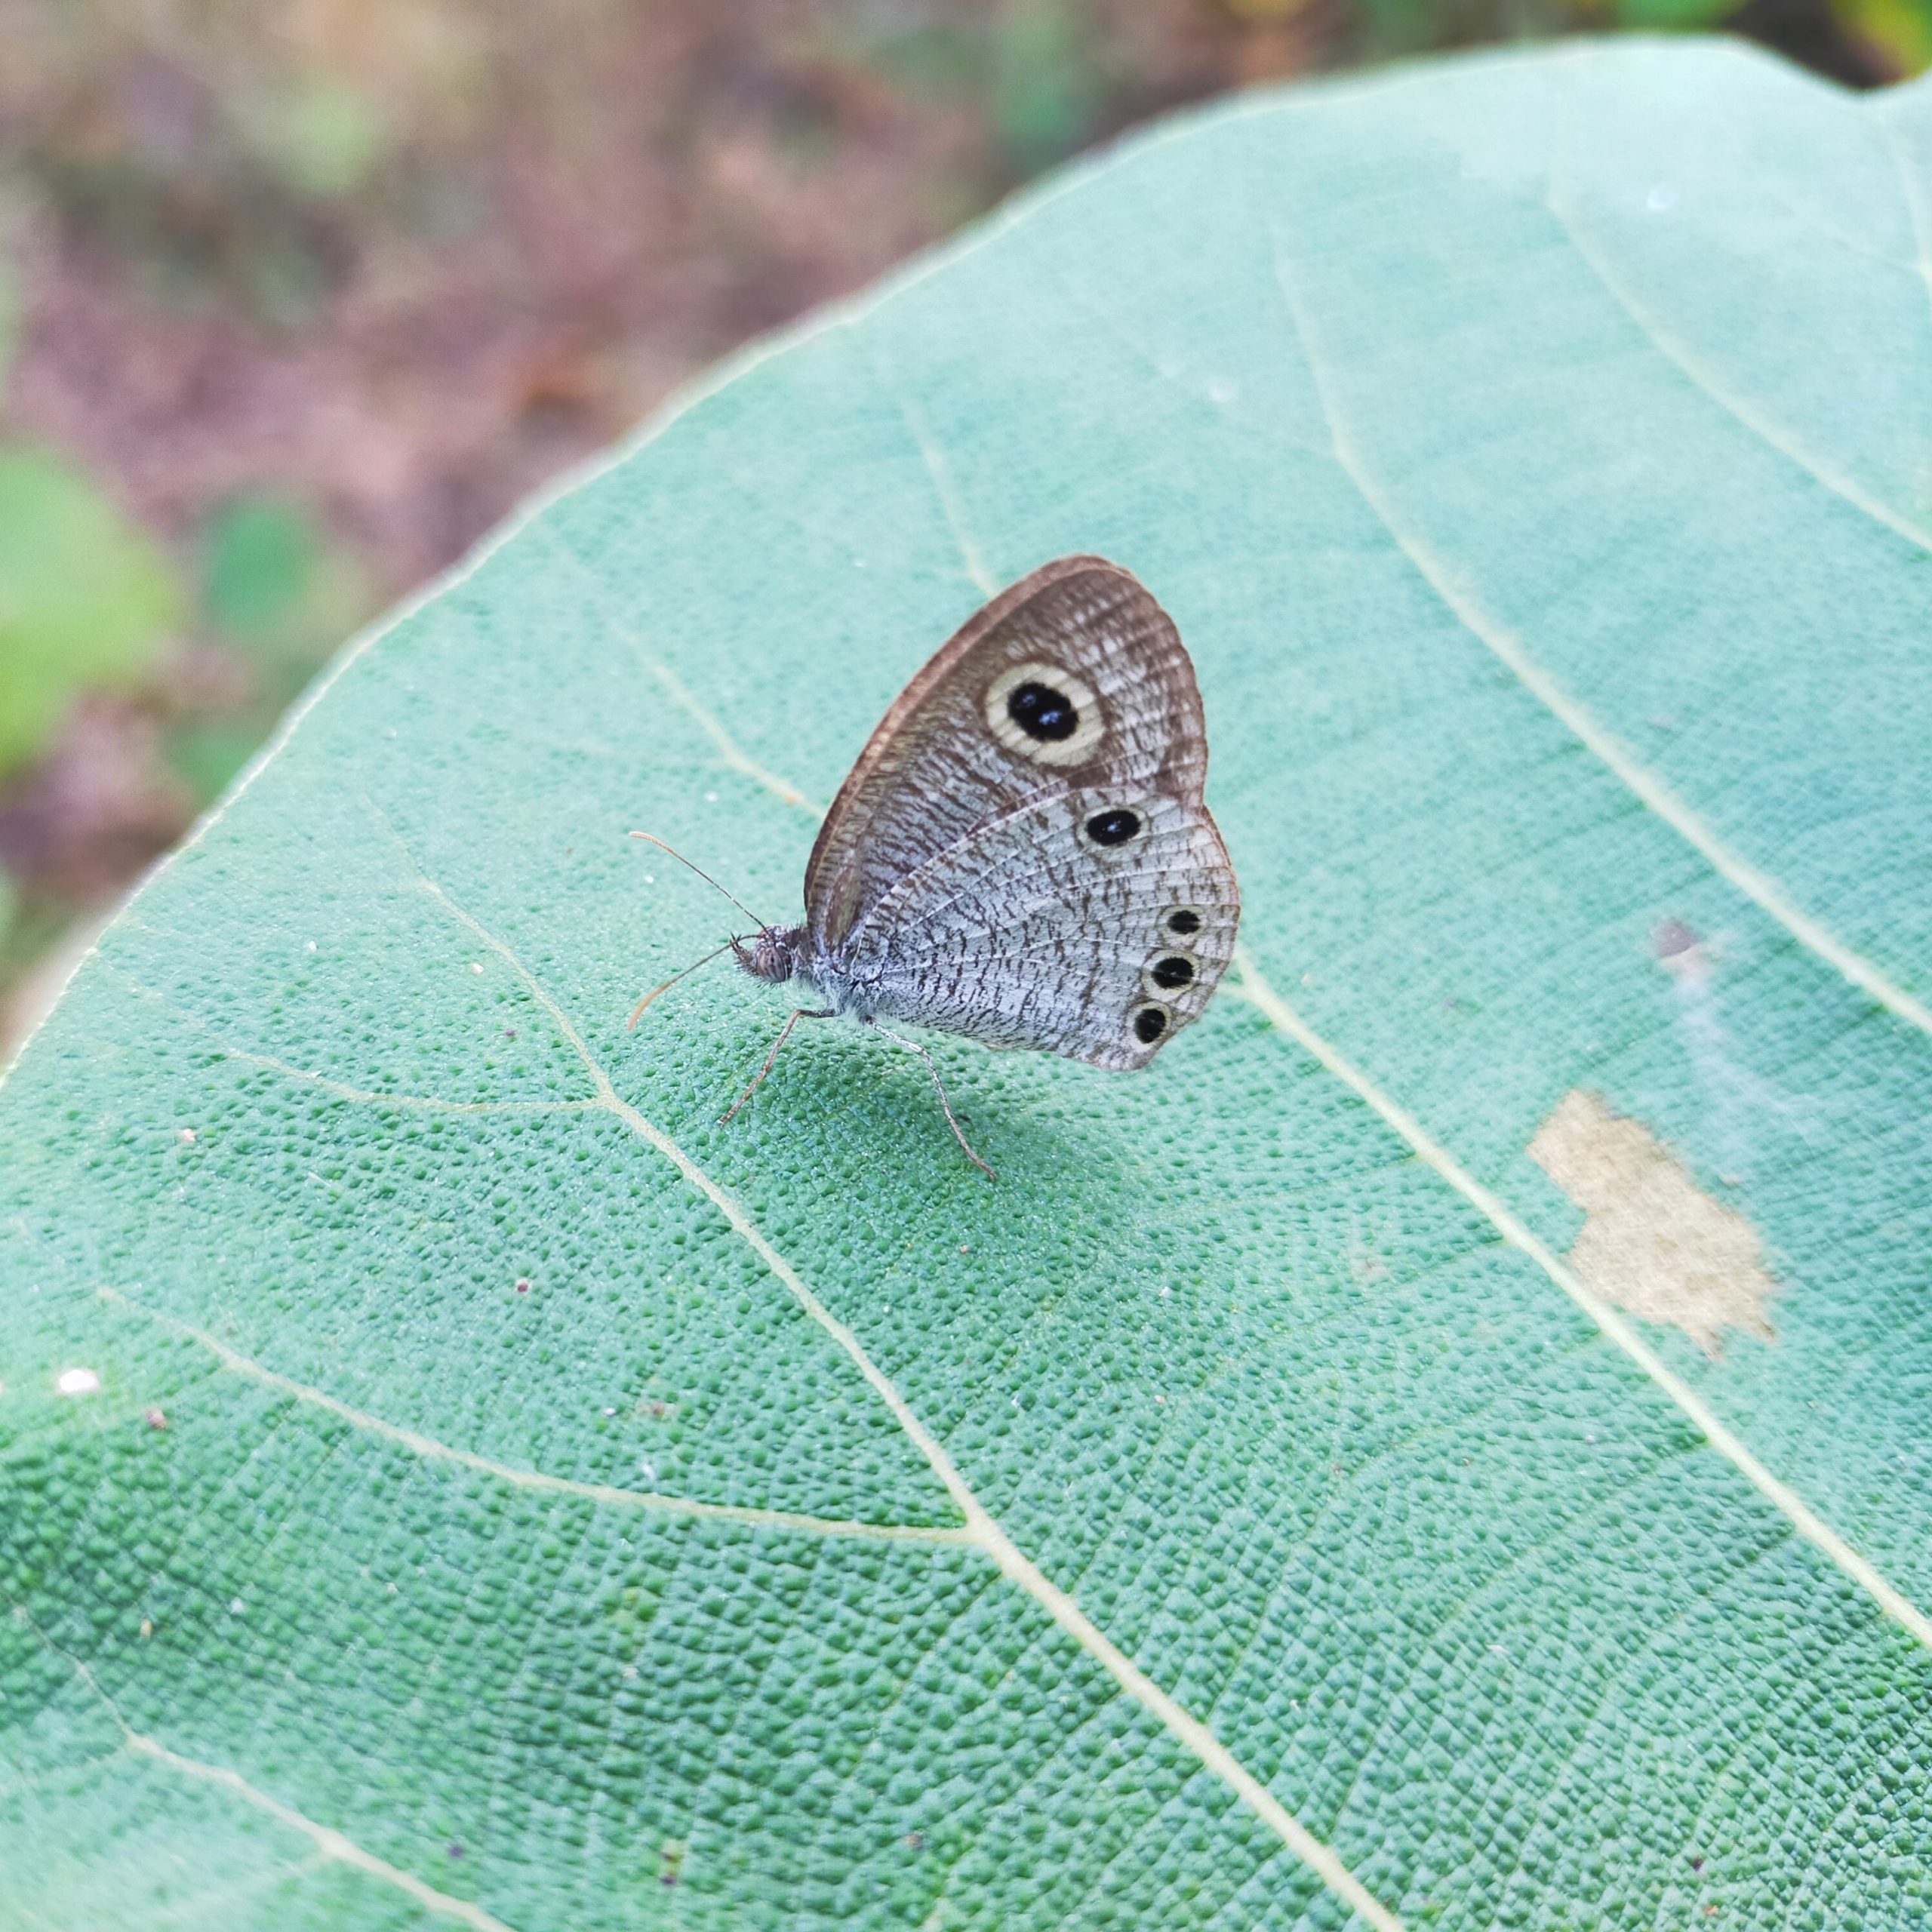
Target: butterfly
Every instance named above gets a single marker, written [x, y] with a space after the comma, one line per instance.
[1021, 855]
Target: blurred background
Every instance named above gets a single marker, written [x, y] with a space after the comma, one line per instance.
[298, 297]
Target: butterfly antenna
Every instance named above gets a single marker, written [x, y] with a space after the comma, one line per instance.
[761, 924]
[637, 1011]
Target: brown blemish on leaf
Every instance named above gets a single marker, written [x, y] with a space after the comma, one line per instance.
[1653, 1241]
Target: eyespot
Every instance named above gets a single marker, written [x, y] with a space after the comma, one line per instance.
[1183, 921]
[1168, 970]
[1042, 713]
[1149, 1021]
[1115, 827]
[1045, 713]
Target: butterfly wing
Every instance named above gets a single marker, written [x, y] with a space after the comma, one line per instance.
[1021, 854]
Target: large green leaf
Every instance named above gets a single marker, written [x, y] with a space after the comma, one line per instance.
[512, 1498]
[87, 599]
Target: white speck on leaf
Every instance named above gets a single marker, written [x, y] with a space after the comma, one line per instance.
[78, 1382]
[235, 1606]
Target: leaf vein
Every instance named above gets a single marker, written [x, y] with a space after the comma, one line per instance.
[1707, 382]
[430, 1450]
[1488, 630]
[674, 687]
[1802, 1517]
[981, 1528]
[332, 1844]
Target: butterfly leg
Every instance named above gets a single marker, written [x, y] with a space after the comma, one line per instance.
[913, 1046]
[784, 1034]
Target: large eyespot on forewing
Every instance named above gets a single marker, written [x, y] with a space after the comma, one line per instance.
[1047, 714]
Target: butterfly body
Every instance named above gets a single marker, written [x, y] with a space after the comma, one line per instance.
[1021, 854]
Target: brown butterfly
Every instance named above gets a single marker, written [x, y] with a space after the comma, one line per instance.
[1021, 854]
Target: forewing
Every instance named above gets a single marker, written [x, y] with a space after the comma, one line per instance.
[977, 737]
[1033, 933]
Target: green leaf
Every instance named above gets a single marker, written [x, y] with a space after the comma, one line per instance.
[275, 588]
[323, 136]
[274, 584]
[1448, 1446]
[259, 559]
[1668, 16]
[86, 598]
[1900, 30]
[1045, 90]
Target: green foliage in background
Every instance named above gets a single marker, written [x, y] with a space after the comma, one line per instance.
[487, 1491]
[87, 600]
[275, 590]
[1901, 29]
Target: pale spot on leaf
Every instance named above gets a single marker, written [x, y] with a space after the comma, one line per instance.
[1653, 1241]
[78, 1382]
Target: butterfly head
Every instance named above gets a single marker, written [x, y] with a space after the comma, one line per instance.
[774, 954]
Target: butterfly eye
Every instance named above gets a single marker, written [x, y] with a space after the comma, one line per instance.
[1149, 1021]
[1183, 922]
[1169, 971]
[1113, 827]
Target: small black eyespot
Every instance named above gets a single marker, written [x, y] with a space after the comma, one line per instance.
[1113, 827]
[1183, 922]
[1171, 969]
[1042, 713]
[1149, 1023]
